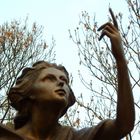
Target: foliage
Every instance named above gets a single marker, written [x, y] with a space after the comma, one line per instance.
[20, 46]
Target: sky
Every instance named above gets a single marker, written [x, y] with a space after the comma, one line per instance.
[57, 17]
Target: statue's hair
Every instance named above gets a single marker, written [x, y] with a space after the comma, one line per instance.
[19, 94]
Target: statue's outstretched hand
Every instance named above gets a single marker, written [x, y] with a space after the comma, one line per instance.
[111, 30]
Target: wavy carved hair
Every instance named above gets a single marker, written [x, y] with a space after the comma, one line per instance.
[19, 94]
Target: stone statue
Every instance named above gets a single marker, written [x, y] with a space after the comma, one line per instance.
[42, 95]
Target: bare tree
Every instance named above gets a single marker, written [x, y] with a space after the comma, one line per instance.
[20, 46]
[96, 59]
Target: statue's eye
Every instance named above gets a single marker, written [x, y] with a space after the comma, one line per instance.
[64, 79]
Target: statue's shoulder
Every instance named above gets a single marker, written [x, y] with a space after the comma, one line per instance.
[8, 134]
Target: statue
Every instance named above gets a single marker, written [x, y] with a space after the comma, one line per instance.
[42, 95]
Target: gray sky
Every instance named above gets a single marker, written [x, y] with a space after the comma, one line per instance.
[57, 16]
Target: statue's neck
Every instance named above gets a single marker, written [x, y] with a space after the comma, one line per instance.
[43, 122]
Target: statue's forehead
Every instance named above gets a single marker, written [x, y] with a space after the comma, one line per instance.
[52, 70]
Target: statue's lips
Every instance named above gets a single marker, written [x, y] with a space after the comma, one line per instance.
[61, 92]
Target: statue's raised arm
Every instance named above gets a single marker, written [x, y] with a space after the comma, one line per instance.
[125, 116]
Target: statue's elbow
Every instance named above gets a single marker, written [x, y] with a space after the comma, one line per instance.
[131, 127]
[127, 129]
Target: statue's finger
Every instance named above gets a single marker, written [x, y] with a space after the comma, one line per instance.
[101, 36]
[101, 27]
[113, 18]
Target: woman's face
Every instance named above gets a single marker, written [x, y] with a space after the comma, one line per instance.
[51, 86]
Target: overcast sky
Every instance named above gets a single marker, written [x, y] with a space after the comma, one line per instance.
[57, 16]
